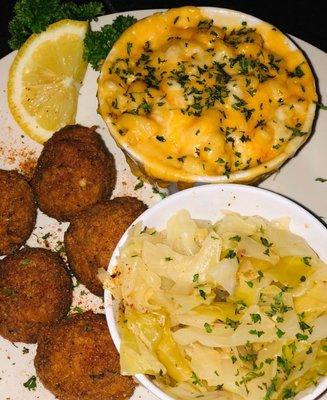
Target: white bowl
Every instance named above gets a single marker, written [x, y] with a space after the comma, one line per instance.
[207, 202]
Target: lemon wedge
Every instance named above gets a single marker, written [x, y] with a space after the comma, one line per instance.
[45, 78]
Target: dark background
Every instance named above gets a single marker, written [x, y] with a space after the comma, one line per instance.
[303, 18]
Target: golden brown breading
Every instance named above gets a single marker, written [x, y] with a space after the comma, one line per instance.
[93, 235]
[35, 290]
[74, 171]
[17, 211]
[77, 360]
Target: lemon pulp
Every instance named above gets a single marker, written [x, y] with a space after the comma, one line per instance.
[45, 78]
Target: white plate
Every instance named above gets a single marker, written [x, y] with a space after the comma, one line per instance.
[296, 180]
[207, 203]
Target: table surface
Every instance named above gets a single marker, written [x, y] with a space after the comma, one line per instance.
[302, 18]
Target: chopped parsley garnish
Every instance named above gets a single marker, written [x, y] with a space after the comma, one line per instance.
[25, 262]
[233, 324]
[296, 132]
[301, 337]
[255, 318]
[78, 310]
[265, 242]
[31, 383]
[230, 254]
[255, 332]
[320, 105]
[139, 185]
[196, 380]
[196, 278]
[323, 180]
[208, 327]
[297, 73]
[249, 283]
[202, 294]
[235, 238]
[260, 275]
[284, 365]
[240, 106]
[306, 261]
[279, 333]
[271, 389]
[157, 191]
[288, 393]
[160, 138]
[168, 259]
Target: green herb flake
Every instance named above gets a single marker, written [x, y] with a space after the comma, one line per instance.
[196, 380]
[236, 238]
[288, 393]
[160, 138]
[233, 324]
[78, 310]
[249, 283]
[230, 254]
[255, 332]
[265, 242]
[157, 191]
[234, 359]
[255, 318]
[271, 389]
[260, 275]
[323, 180]
[25, 262]
[196, 278]
[168, 259]
[297, 73]
[320, 105]
[301, 337]
[279, 333]
[129, 46]
[306, 261]
[220, 161]
[139, 185]
[202, 294]
[208, 327]
[296, 132]
[31, 383]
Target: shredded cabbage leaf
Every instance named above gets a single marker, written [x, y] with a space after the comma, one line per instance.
[229, 310]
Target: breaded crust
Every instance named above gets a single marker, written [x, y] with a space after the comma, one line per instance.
[17, 211]
[77, 360]
[35, 290]
[74, 171]
[93, 235]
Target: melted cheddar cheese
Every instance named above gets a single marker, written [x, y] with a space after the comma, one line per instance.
[188, 98]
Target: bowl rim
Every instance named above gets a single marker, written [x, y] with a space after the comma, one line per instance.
[260, 194]
[246, 175]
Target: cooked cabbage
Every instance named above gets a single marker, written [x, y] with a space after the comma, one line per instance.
[230, 310]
